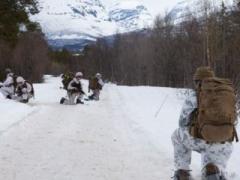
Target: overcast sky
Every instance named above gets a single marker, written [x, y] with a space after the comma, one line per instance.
[159, 6]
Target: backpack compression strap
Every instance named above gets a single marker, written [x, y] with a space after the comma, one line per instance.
[235, 135]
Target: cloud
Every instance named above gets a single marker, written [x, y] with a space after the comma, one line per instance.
[159, 6]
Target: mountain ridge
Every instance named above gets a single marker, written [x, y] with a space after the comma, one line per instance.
[87, 20]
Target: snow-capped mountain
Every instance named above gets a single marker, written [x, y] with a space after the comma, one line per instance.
[70, 22]
[130, 15]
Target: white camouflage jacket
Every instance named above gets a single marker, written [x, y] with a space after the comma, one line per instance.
[189, 106]
[9, 81]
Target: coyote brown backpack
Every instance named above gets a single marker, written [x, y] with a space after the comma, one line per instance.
[93, 83]
[66, 79]
[32, 92]
[216, 114]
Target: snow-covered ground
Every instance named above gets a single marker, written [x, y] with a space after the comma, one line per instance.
[125, 136]
[12, 113]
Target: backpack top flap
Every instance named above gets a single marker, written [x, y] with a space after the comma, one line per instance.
[216, 109]
[32, 92]
[93, 83]
[66, 79]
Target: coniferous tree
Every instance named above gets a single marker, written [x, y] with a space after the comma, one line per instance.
[14, 18]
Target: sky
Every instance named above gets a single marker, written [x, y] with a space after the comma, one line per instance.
[159, 6]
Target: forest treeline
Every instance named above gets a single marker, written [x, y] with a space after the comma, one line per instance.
[165, 55]
[22, 44]
[168, 54]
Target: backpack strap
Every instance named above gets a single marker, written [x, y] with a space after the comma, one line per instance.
[194, 127]
[235, 134]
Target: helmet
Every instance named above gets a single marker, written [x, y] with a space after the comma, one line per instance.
[10, 74]
[79, 74]
[202, 73]
[8, 70]
[20, 79]
[98, 75]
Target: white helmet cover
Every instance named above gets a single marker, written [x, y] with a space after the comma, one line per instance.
[20, 79]
[79, 74]
[98, 75]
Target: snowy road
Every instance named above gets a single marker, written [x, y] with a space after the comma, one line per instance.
[117, 138]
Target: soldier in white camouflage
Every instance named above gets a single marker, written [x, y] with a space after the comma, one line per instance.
[7, 87]
[96, 84]
[24, 90]
[214, 156]
[74, 91]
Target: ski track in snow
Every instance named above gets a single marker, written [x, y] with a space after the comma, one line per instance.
[117, 138]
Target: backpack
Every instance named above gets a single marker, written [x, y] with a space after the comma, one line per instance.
[32, 92]
[14, 81]
[66, 79]
[18, 90]
[93, 83]
[216, 114]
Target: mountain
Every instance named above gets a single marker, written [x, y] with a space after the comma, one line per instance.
[68, 23]
[130, 15]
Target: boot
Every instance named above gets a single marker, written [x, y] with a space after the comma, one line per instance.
[182, 174]
[91, 97]
[8, 97]
[62, 100]
[24, 101]
[212, 172]
[79, 101]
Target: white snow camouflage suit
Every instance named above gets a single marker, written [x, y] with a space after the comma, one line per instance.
[23, 92]
[74, 92]
[8, 86]
[184, 143]
[96, 92]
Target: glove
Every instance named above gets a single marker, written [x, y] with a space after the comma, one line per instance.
[24, 90]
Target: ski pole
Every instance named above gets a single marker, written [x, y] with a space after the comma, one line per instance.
[165, 99]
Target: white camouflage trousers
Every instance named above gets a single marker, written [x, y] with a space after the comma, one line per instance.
[72, 97]
[7, 91]
[96, 93]
[23, 98]
[184, 144]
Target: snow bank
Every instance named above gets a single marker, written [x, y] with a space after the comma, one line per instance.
[12, 112]
[156, 111]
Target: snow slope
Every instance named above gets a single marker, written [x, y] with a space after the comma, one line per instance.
[71, 19]
[126, 136]
[12, 113]
[130, 15]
